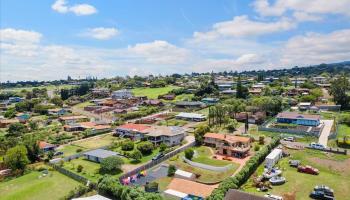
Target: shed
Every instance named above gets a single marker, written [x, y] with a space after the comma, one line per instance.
[94, 197]
[184, 175]
[173, 194]
[273, 158]
[98, 155]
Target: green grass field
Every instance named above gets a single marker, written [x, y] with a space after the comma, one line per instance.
[334, 172]
[90, 169]
[204, 156]
[152, 93]
[96, 142]
[173, 122]
[343, 130]
[30, 186]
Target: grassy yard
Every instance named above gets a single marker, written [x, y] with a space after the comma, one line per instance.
[90, 169]
[84, 104]
[30, 186]
[70, 149]
[172, 122]
[333, 171]
[204, 155]
[152, 93]
[96, 142]
[343, 130]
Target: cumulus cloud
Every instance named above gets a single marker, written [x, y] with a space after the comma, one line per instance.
[101, 33]
[314, 48]
[303, 16]
[78, 9]
[265, 8]
[19, 36]
[242, 26]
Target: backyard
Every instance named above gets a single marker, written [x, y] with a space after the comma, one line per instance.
[152, 93]
[31, 186]
[333, 170]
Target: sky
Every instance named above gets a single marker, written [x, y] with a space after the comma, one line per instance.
[51, 39]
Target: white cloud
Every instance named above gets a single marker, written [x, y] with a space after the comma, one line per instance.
[265, 8]
[19, 36]
[242, 26]
[78, 9]
[303, 16]
[314, 48]
[159, 51]
[101, 33]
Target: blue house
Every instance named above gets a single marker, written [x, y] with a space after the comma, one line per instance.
[210, 101]
[299, 119]
[15, 99]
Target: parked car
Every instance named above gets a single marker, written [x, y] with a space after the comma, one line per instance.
[320, 195]
[158, 156]
[328, 191]
[58, 153]
[308, 170]
[274, 197]
[294, 163]
[289, 139]
[316, 146]
[277, 180]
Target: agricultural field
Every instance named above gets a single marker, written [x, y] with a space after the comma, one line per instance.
[54, 186]
[333, 170]
[153, 93]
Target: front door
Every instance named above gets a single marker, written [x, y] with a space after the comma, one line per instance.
[224, 151]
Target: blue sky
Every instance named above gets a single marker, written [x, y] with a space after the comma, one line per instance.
[51, 39]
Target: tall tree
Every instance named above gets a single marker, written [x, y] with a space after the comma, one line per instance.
[241, 91]
[16, 158]
[339, 89]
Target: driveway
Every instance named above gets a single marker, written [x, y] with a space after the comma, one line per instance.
[323, 139]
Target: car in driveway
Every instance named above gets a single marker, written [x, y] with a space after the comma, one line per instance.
[158, 156]
[314, 145]
[308, 170]
[274, 197]
[289, 139]
[294, 163]
[58, 153]
[327, 190]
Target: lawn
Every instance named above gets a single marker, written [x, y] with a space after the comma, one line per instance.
[70, 149]
[30, 186]
[333, 170]
[96, 142]
[84, 104]
[204, 155]
[343, 130]
[152, 93]
[172, 122]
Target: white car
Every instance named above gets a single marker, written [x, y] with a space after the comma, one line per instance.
[317, 145]
[274, 197]
[289, 139]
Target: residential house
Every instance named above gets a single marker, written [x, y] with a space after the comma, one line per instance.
[169, 135]
[229, 92]
[100, 92]
[58, 111]
[4, 123]
[190, 189]
[189, 105]
[304, 106]
[233, 194]
[319, 80]
[15, 99]
[98, 155]
[230, 145]
[299, 119]
[122, 94]
[153, 102]
[133, 131]
[223, 87]
[168, 97]
[23, 117]
[94, 197]
[191, 116]
[255, 91]
[82, 126]
[73, 119]
[210, 101]
[46, 147]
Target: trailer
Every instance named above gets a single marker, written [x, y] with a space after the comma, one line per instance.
[273, 158]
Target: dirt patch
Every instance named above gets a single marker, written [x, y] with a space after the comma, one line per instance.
[289, 196]
[339, 166]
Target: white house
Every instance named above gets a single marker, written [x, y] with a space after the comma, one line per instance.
[184, 175]
[122, 94]
[273, 158]
[191, 116]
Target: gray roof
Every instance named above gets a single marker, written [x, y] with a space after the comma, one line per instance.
[188, 103]
[191, 115]
[240, 195]
[101, 153]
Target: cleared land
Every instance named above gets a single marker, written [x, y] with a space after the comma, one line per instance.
[333, 171]
[30, 186]
[152, 93]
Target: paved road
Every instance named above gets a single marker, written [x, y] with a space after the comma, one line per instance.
[323, 139]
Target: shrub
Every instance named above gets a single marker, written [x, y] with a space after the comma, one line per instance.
[162, 147]
[80, 168]
[127, 145]
[189, 153]
[79, 150]
[136, 155]
[256, 148]
[146, 148]
[110, 164]
[171, 170]
[261, 140]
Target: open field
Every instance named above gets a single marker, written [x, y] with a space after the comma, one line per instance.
[30, 186]
[96, 142]
[48, 87]
[84, 104]
[333, 171]
[152, 93]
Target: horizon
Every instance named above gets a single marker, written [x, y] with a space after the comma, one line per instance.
[54, 39]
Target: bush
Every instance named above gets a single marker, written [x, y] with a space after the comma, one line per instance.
[127, 145]
[79, 150]
[162, 147]
[80, 168]
[110, 164]
[256, 148]
[171, 170]
[261, 140]
[146, 148]
[136, 155]
[189, 153]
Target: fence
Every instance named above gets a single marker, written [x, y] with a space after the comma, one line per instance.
[332, 150]
[291, 131]
[69, 173]
[152, 163]
[208, 167]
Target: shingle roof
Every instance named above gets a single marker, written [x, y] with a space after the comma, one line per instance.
[190, 187]
[229, 138]
[295, 115]
[239, 195]
[134, 127]
[101, 153]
